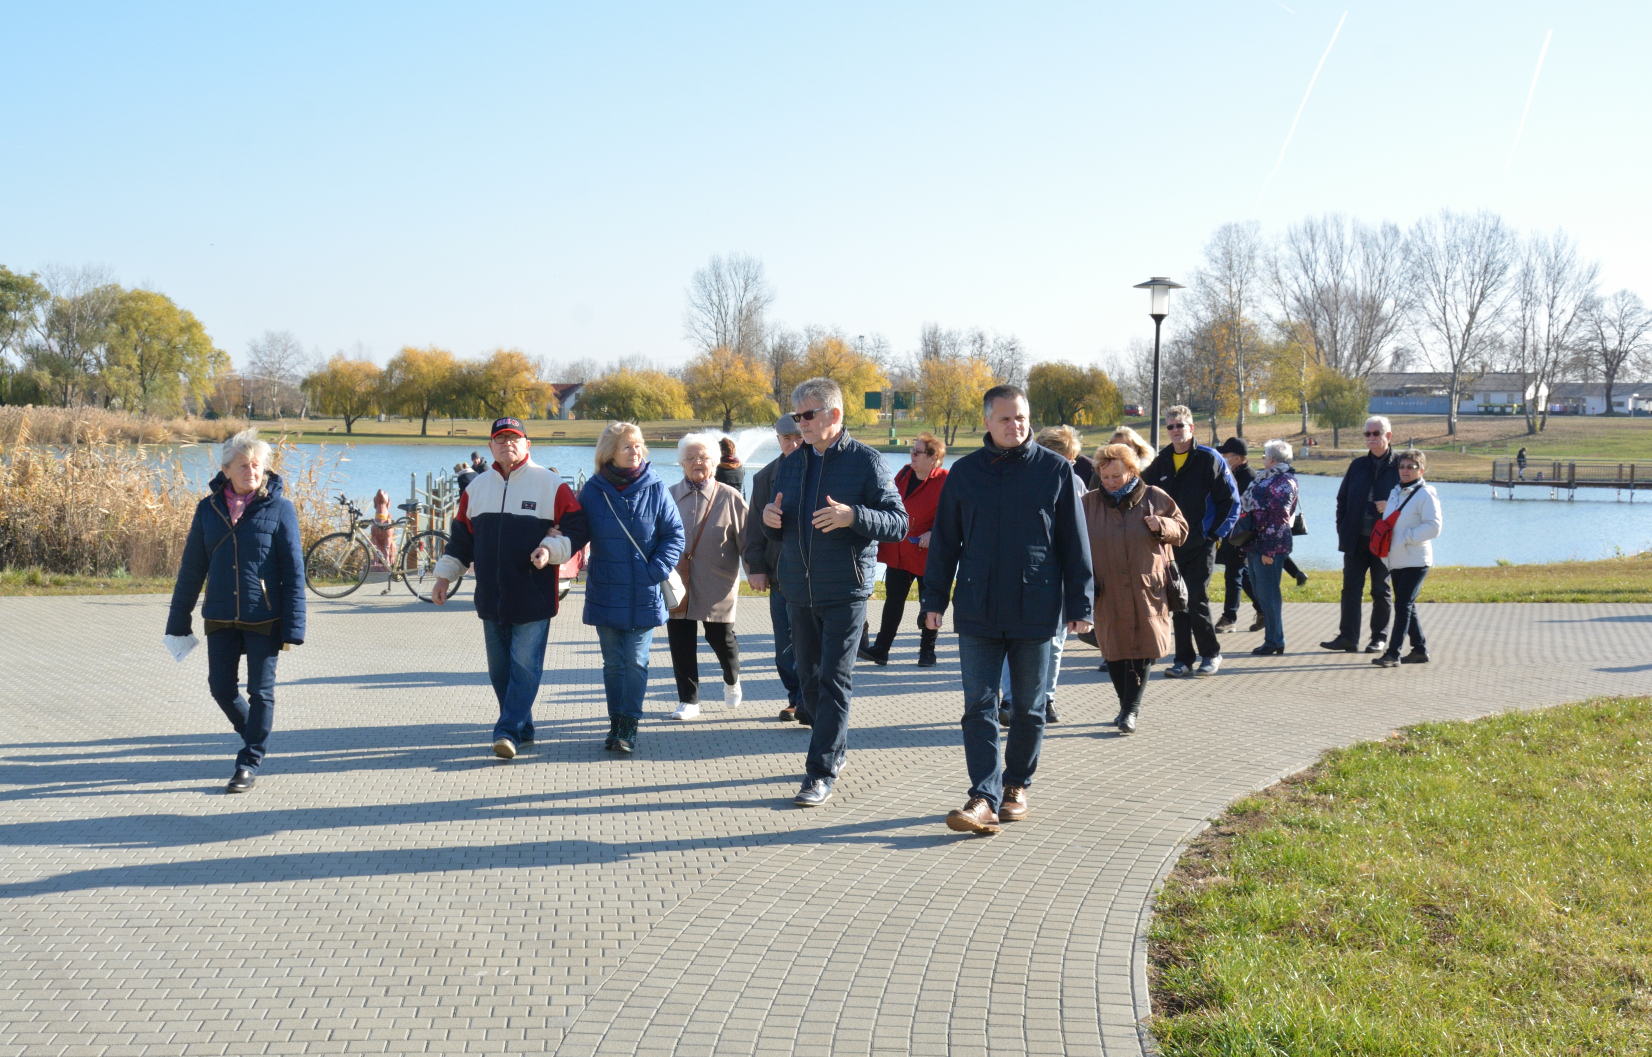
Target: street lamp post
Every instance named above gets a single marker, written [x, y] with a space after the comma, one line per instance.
[1158, 289]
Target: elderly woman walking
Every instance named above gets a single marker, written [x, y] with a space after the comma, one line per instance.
[636, 539]
[919, 482]
[1133, 527]
[1414, 514]
[714, 519]
[243, 546]
[1269, 504]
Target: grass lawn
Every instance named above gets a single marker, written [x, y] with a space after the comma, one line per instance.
[1461, 888]
[39, 582]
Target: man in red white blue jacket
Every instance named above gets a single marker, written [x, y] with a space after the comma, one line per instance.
[516, 523]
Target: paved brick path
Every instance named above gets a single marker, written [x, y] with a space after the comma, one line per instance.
[389, 887]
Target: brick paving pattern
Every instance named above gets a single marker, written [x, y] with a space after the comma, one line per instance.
[390, 887]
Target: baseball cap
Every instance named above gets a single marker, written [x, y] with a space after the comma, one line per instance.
[785, 426]
[1235, 446]
[507, 425]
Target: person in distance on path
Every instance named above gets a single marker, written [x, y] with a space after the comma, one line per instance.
[714, 518]
[1360, 502]
[1133, 530]
[1197, 478]
[919, 482]
[515, 524]
[243, 546]
[762, 558]
[1010, 531]
[834, 501]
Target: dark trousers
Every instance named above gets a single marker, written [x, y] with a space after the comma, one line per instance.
[252, 716]
[1408, 584]
[824, 639]
[685, 654]
[1356, 564]
[1129, 681]
[785, 660]
[981, 661]
[1194, 627]
[896, 584]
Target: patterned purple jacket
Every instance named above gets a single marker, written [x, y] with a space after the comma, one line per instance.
[1271, 502]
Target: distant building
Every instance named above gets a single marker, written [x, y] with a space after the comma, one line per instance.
[1589, 398]
[1429, 393]
[567, 399]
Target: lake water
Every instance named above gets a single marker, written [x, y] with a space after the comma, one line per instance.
[1479, 530]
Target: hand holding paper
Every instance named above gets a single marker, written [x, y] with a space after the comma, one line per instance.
[180, 645]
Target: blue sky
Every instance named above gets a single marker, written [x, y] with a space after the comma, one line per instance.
[550, 176]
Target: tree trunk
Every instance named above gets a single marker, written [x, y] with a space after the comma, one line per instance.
[1336, 437]
[1611, 379]
[1451, 403]
[424, 424]
[728, 420]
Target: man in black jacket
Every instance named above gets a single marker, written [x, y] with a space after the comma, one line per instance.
[834, 502]
[1197, 478]
[762, 558]
[1011, 529]
[1360, 502]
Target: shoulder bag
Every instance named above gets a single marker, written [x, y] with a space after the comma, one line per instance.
[1382, 533]
[1175, 588]
[1242, 532]
[672, 589]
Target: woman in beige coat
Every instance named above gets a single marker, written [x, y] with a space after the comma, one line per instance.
[714, 520]
[1133, 527]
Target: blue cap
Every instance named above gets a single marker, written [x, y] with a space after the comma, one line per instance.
[508, 425]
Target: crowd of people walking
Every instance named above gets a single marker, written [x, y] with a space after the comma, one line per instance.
[1026, 541]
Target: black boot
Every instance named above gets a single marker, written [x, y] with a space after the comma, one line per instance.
[613, 733]
[1126, 721]
[926, 648]
[625, 736]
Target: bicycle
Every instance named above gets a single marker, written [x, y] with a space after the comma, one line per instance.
[340, 562]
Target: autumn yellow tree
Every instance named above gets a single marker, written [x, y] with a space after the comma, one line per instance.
[829, 356]
[950, 389]
[419, 383]
[505, 383]
[723, 384]
[635, 396]
[1062, 394]
[156, 353]
[348, 388]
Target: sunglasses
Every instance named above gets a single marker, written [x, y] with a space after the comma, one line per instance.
[1410, 466]
[1178, 425]
[1368, 433]
[809, 415]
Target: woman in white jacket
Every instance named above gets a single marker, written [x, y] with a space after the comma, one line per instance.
[1410, 555]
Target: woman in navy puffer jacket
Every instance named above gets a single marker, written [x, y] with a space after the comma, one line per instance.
[636, 540]
[244, 547]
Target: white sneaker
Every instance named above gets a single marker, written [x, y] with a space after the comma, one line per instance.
[732, 695]
[1208, 665]
[686, 710]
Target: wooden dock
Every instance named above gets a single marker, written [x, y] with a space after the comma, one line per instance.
[1567, 476]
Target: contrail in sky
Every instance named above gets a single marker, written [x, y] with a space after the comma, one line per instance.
[1529, 93]
[1284, 146]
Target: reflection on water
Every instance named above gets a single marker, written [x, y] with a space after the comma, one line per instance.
[1479, 530]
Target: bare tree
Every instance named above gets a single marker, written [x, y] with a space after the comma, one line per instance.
[74, 328]
[277, 361]
[1229, 288]
[1462, 269]
[726, 302]
[1131, 369]
[1617, 336]
[784, 349]
[1552, 292]
[1347, 283]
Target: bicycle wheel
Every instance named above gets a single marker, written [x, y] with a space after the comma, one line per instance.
[418, 565]
[336, 565]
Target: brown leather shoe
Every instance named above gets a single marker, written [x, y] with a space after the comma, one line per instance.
[974, 817]
[1014, 807]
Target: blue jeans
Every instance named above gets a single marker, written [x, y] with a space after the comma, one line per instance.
[825, 639]
[981, 659]
[785, 661]
[1264, 589]
[625, 668]
[1059, 643]
[516, 659]
[253, 716]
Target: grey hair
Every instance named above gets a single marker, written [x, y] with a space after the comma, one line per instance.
[828, 392]
[1387, 426]
[246, 443]
[707, 440]
[1278, 450]
[1179, 413]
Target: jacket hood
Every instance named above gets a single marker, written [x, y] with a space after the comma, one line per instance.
[270, 489]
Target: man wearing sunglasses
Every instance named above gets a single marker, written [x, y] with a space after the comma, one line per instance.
[834, 502]
[1360, 502]
[1198, 479]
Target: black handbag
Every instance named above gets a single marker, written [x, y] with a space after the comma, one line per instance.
[1299, 525]
[1175, 588]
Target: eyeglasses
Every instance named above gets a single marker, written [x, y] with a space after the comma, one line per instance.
[1179, 425]
[809, 415]
[1368, 433]
[1410, 466]
[922, 451]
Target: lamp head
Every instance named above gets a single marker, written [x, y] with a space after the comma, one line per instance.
[1158, 289]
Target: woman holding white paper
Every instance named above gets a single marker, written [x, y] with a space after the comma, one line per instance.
[243, 547]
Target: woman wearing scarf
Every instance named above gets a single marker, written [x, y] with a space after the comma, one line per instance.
[919, 483]
[1133, 527]
[730, 470]
[1270, 504]
[636, 540]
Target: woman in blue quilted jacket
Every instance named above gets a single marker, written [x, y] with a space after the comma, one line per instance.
[636, 539]
[243, 546]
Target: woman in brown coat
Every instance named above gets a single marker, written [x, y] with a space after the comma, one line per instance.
[714, 521]
[1132, 528]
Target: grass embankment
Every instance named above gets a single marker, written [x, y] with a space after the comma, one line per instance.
[36, 581]
[1464, 888]
[1623, 579]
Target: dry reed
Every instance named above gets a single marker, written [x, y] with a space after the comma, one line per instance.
[100, 509]
[93, 425]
